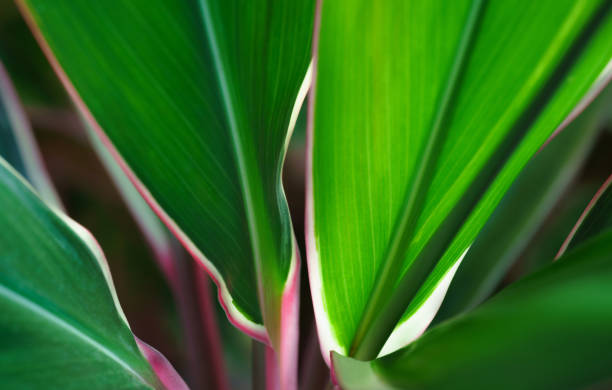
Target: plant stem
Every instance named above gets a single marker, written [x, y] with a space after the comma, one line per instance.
[210, 329]
[258, 365]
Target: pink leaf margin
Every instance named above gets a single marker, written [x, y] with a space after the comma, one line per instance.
[162, 367]
[288, 351]
[254, 330]
[583, 216]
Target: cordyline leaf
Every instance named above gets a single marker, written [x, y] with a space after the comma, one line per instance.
[423, 113]
[61, 324]
[17, 144]
[174, 266]
[548, 331]
[524, 207]
[595, 219]
[197, 99]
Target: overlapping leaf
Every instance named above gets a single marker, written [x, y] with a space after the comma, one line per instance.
[549, 331]
[197, 99]
[524, 208]
[40, 322]
[61, 325]
[422, 116]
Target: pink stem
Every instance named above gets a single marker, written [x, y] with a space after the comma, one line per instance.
[272, 370]
[211, 330]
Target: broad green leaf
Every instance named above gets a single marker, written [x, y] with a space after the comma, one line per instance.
[61, 325]
[201, 335]
[523, 209]
[17, 144]
[423, 113]
[548, 331]
[197, 99]
[595, 219]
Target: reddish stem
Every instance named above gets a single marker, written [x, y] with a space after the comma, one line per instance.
[210, 328]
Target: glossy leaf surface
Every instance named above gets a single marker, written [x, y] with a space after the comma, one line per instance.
[61, 325]
[198, 98]
[423, 115]
[524, 208]
[548, 331]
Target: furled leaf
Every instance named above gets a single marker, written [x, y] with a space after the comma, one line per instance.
[548, 331]
[61, 324]
[423, 113]
[595, 219]
[523, 209]
[197, 100]
[17, 144]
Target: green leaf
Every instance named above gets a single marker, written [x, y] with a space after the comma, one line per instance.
[423, 114]
[523, 209]
[17, 144]
[595, 219]
[202, 341]
[548, 331]
[197, 99]
[61, 324]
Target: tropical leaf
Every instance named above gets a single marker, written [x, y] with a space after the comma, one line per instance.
[548, 331]
[191, 293]
[595, 219]
[197, 100]
[17, 144]
[523, 209]
[61, 324]
[422, 115]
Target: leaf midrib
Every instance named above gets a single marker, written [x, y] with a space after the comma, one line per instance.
[411, 208]
[44, 313]
[235, 137]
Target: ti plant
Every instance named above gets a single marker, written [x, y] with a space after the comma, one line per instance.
[440, 136]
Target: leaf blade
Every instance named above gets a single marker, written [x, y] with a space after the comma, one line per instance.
[62, 324]
[548, 343]
[180, 151]
[519, 214]
[391, 79]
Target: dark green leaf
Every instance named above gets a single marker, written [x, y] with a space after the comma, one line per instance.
[197, 99]
[61, 326]
[549, 331]
[522, 210]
